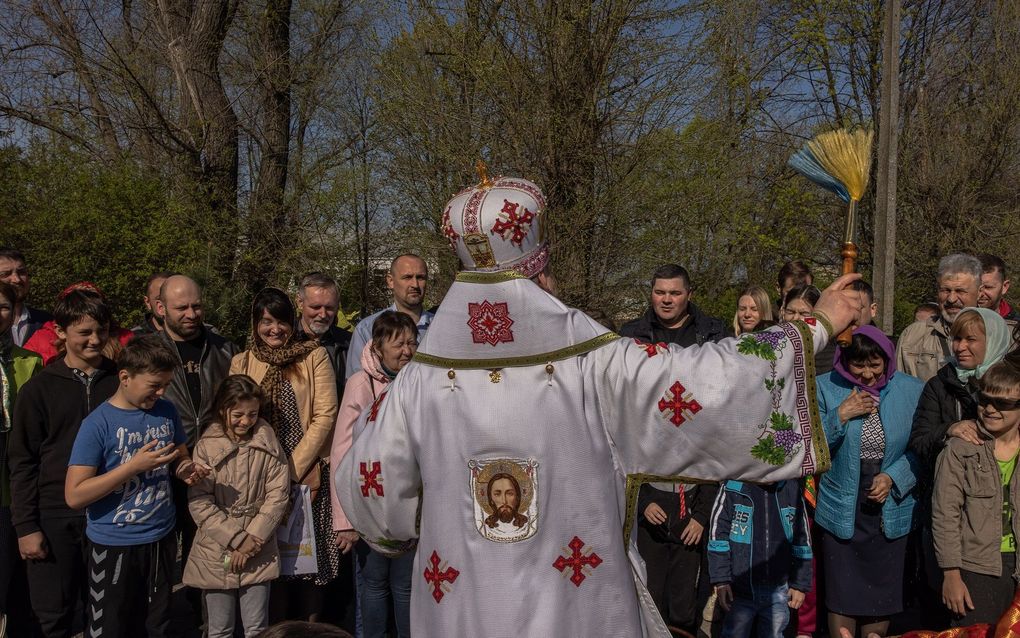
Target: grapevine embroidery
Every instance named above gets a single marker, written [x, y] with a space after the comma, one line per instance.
[778, 441]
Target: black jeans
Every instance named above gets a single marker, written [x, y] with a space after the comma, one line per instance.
[129, 589]
[673, 570]
[57, 583]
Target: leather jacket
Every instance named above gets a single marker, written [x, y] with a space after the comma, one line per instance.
[216, 355]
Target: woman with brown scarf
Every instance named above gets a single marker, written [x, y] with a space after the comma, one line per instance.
[297, 379]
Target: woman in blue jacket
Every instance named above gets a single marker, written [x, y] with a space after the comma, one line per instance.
[866, 501]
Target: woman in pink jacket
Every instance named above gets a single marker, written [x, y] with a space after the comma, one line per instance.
[394, 342]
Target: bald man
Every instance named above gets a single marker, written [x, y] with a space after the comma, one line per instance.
[205, 356]
[204, 361]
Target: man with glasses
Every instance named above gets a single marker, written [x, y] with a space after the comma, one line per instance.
[26, 320]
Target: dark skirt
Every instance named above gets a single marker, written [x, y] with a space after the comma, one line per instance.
[864, 575]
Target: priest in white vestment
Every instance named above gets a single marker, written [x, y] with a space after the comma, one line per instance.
[508, 454]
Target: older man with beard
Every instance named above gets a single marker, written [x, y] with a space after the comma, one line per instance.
[26, 320]
[925, 346]
[318, 301]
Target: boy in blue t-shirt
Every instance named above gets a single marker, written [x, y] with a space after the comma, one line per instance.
[120, 470]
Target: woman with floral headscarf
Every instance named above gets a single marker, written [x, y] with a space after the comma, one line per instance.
[866, 500]
[300, 403]
[948, 405]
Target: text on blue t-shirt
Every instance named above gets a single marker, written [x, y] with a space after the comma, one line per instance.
[142, 510]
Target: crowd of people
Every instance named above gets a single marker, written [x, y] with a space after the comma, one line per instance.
[136, 459]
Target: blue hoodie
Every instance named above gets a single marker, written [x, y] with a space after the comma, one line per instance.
[758, 538]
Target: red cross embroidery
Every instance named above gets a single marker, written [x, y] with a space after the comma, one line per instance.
[811, 321]
[448, 230]
[437, 578]
[374, 412]
[516, 226]
[577, 561]
[678, 404]
[651, 349]
[490, 323]
[371, 480]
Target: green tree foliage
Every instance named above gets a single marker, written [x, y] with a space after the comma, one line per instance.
[658, 130]
[108, 223]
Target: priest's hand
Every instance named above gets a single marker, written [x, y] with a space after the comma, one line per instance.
[655, 514]
[840, 304]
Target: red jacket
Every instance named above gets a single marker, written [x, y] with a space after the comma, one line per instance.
[44, 340]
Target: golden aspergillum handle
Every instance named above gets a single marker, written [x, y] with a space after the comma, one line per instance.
[849, 254]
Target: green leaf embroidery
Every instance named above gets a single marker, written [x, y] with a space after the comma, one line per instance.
[780, 421]
[752, 347]
[768, 452]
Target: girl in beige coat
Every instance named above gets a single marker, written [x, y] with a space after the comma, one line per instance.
[237, 509]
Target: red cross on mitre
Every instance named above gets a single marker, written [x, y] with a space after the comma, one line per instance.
[448, 230]
[373, 413]
[371, 479]
[678, 404]
[438, 577]
[579, 562]
[651, 349]
[490, 323]
[516, 226]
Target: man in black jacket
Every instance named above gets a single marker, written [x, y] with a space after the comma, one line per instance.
[318, 301]
[47, 414]
[671, 317]
[673, 516]
[205, 355]
[204, 362]
[26, 320]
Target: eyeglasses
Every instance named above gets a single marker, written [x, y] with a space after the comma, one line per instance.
[1000, 404]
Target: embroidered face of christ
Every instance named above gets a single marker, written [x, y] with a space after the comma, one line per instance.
[504, 493]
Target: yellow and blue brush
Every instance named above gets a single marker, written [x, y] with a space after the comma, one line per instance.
[840, 162]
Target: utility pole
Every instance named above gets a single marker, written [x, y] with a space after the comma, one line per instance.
[885, 196]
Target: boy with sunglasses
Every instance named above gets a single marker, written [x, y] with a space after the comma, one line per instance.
[976, 492]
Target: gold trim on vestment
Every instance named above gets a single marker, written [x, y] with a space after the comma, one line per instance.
[498, 277]
[822, 459]
[634, 483]
[517, 362]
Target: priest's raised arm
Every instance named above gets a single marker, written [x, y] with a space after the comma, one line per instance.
[743, 408]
